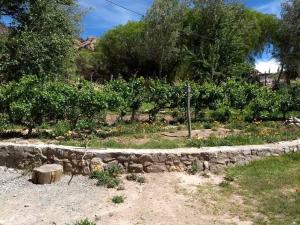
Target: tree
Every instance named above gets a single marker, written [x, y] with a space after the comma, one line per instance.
[41, 37]
[287, 45]
[221, 37]
[3, 40]
[119, 51]
[163, 24]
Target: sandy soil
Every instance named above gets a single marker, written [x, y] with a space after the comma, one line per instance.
[166, 199]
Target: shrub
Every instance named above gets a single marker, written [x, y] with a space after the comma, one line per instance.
[141, 179]
[239, 94]
[263, 106]
[113, 182]
[61, 128]
[23, 103]
[4, 121]
[109, 177]
[221, 114]
[84, 222]
[32, 101]
[160, 95]
[224, 184]
[207, 125]
[295, 96]
[131, 177]
[102, 177]
[84, 124]
[132, 94]
[194, 168]
[209, 96]
[118, 199]
[134, 177]
[114, 170]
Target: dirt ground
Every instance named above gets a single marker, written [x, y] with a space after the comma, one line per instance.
[165, 199]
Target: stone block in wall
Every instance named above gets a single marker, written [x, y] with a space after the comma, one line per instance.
[68, 168]
[156, 168]
[122, 158]
[135, 168]
[159, 158]
[145, 158]
[169, 163]
[206, 165]
[199, 164]
[133, 159]
[146, 164]
[96, 164]
[108, 159]
[176, 162]
[172, 168]
[86, 170]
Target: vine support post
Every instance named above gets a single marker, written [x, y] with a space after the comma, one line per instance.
[189, 110]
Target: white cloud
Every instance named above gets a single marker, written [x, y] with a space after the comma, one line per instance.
[273, 7]
[264, 66]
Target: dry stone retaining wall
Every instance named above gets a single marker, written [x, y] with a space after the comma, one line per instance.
[83, 161]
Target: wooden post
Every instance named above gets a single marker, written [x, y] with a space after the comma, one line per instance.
[189, 110]
[265, 79]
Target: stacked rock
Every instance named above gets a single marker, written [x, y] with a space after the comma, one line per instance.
[293, 121]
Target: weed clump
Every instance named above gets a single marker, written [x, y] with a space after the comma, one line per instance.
[195, 168]
[84, 222]
[118, 199]
[138, 178]
[109, 177]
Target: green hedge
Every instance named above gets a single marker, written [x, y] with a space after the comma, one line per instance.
[31, 101]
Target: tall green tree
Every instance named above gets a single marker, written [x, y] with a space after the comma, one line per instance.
[163, 25]
[222, 37]
[118, 52]
[41, 37]
[287, 45]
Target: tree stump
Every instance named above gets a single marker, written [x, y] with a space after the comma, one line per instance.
[47, 174]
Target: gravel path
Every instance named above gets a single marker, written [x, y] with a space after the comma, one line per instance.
[160, 201]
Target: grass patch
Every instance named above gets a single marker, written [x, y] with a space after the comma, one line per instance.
[138, 178]
[84, 222]
[257, 136]
[142, 136]
[270, 186]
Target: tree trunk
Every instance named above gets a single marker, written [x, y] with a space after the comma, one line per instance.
[279, 77]
[133, 115]
[47, 174]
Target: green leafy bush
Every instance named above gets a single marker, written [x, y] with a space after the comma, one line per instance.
[61, 128]
[114, 170]
[108, 177]
[221, 114]
[160, 95]
[265, 103]
[31, 101]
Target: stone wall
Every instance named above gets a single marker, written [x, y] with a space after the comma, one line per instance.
[83, 161]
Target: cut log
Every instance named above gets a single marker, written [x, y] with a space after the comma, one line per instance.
[47, 174]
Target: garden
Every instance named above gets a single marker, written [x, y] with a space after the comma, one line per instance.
[115, 129]
[147, 113]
